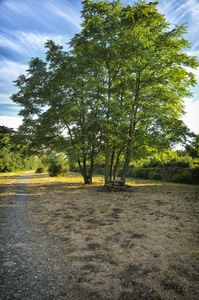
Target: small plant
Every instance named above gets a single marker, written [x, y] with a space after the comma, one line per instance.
[40, 170]
[59, 165]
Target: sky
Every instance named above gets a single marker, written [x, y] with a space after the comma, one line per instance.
[25, 26]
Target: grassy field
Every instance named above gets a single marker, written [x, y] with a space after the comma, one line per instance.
[136, 244]
[141, 243]
[7, 178]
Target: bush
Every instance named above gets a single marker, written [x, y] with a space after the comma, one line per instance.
[59, 165]
[98, 169]
[140, 172]
[154, 175]
[40, 170]
[195, 175]
[185, 177]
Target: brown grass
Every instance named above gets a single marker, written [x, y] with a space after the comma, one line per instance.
[141, 243]
[7, 178]
[136, 244]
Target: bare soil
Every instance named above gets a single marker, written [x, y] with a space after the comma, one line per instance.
[139, 243]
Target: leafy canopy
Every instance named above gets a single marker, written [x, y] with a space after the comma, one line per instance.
[119, 89]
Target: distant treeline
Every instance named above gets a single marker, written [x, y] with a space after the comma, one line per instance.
[11, 153]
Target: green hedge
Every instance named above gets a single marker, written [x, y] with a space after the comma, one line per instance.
[172, 173]
[184, 177]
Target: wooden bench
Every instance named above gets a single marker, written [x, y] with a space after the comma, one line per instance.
[116, 184]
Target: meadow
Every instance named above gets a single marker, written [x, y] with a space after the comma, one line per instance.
[139, 243]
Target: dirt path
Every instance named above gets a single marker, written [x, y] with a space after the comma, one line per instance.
[27, 269]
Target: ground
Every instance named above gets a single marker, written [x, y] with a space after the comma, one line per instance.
[139, 243]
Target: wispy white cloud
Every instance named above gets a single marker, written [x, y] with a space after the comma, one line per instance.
[22, 8]
[11, 70]
[191, 116]
[28, 43]
[8, 43]
[193, 52]
[10, 122]
[40, 14]
[64, 10]
[37, 40]
[5, 99]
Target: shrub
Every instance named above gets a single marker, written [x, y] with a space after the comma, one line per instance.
[183, 161]
[59, 165]
[98, 169]
[154, 175]
[185, 177]
[195, 175]
[40, 170]
[140, 172]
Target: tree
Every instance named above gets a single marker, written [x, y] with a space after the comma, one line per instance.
[145, 78]
[63, 114]
[192, 148]
[5, 148]
[119, 88]
[11, 155]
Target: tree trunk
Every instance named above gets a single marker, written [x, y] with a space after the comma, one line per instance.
[90, 175]
[117, 164]
[111, 165]
[132, 129]
[107, 135]
[129, 150]
[83, 171]
[126, 163]
[107, 158]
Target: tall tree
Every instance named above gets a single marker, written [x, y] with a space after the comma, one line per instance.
[60, 107]
[145, 76]
[121, 85]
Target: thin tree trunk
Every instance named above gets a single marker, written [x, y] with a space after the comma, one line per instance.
[111, 165]
[117, 164]
[90, 175]
[132, 129]
[127, 161]
[107, 157]
[107, 135]
[83, 171]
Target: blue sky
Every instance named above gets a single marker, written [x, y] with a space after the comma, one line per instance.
[25, 25]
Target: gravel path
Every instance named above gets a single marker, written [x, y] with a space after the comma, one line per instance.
[29, 270]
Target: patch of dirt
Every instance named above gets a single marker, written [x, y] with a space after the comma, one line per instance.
[141, 243]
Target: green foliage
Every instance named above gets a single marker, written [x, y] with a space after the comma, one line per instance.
[169, 168]
[120, 88]
[154, 175]
[181, 162]
[11, 155]
[99, 168]
[195, 175]
[185, 177]
[58, 165]
[40, 170]
[193, 147]
[140, 172]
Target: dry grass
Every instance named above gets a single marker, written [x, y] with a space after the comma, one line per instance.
[136, 244]
[7, 178]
